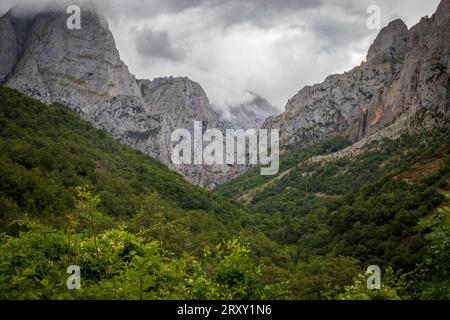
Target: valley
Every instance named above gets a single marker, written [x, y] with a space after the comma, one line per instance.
[89, 182]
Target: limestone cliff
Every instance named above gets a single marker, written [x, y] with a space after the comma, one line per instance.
[404, 83]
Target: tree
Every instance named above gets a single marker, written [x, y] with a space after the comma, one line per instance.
[87, 209]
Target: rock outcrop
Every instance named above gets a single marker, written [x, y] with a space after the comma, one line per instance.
[404, 83]
[82, 69]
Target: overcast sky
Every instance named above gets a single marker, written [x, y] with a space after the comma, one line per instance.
[233, 47]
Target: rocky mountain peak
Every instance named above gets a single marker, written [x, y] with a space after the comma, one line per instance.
[443, 12]
[193, 96]
[390, 43]
[69, 63]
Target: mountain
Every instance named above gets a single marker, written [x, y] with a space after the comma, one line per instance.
[249, 115]
[71, 194]
[47, 151]
[82, 69]
[403, 85]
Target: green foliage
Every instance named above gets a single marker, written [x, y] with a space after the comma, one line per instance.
[254, 178]
[235, 271]
[47, 151]
[71, 195]
[367, 207]
[33, 267]
[312, 278]
[439, 236]
[116, 264]
[436, 284]
[359, 291]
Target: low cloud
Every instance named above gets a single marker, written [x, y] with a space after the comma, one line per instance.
[150, 43]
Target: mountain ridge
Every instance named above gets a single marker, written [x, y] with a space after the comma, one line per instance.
[403, 83]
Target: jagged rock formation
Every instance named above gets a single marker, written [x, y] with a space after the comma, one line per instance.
[82, 69]
[250, 115]
[404, 83]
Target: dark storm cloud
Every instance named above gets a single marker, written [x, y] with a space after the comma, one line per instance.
[150, 43]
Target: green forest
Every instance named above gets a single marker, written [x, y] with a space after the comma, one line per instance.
[72, 195]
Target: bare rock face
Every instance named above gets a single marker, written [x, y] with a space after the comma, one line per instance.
[8, 51]
[147, 122]
[82, 69]
[12, 32]
[391, 42]
[62, 65]
[405, 81]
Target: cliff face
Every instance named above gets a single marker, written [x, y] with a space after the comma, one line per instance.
[82, 70]
[146, 122]
[61, 65]
[403, 83]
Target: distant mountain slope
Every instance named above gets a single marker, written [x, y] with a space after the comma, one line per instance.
[82, 70]
[250, 115]
[404, 83]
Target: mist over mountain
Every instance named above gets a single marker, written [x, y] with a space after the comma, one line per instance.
[250, 115]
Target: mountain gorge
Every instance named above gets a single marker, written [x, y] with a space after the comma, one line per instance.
[70, 193]
[403, 85]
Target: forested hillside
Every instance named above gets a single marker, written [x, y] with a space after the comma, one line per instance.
[66, 185]
[70, 194]
[372, 206]
[48, 151]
